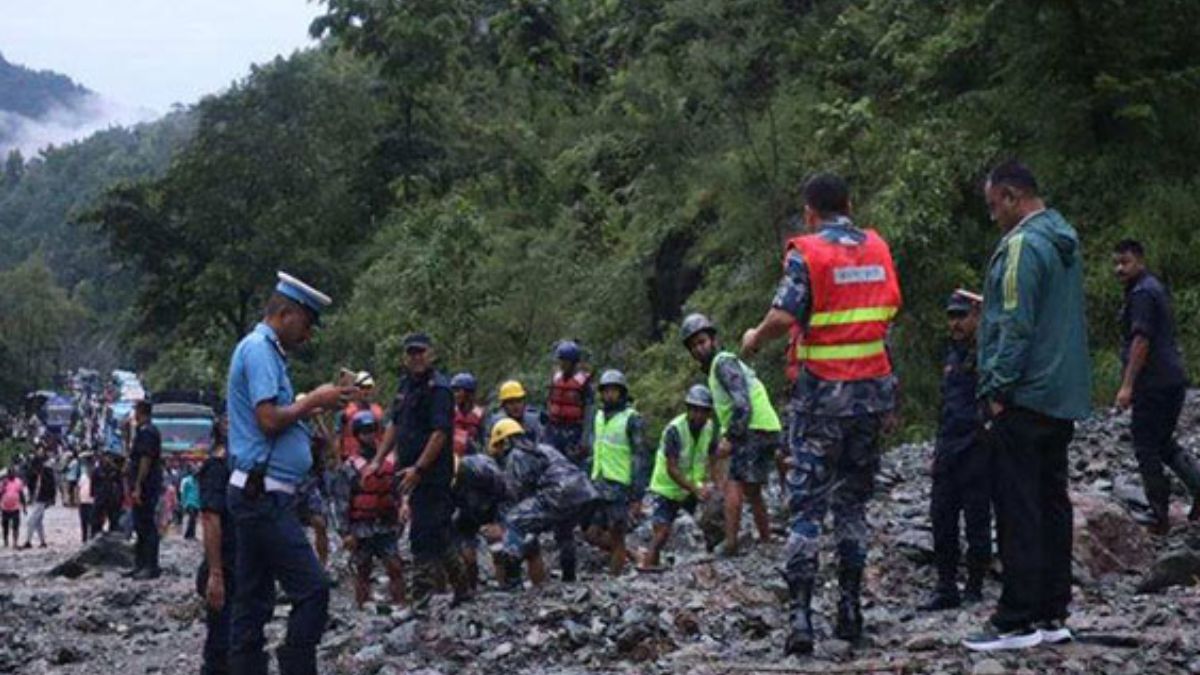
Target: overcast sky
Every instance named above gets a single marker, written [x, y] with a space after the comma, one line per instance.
[152, 53]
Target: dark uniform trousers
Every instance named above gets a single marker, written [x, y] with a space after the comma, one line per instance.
[271, 546]
[961, 488]
[145, 525]
[1033, 516]
[1155, 414]
[217, 635]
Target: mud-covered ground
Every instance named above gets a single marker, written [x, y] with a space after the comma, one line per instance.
[699, 616]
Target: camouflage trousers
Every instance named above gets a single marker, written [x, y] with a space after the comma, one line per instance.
[833, 465]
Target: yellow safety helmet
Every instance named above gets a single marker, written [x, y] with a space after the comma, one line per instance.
[511, 390]
[503, 429]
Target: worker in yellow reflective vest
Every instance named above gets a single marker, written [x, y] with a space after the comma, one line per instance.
[680, 477]
[748, 426]
[619, 468]
[838, 296]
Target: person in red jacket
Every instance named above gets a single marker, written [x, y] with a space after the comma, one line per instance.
[364, 399]
[366, 504]
[569, 404]
[468, 415]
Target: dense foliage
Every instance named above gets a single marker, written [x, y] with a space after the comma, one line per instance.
[505, 174]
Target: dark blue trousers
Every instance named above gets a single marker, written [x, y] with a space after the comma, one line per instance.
[145, 526]
[271, 546]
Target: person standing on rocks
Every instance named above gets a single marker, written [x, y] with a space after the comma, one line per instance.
[421, 434]
[42, 492]
[366, 510]
[1035, 379]
[513, 406]
[12, 504]
[1154, 384]
[748, 427]
[468, 415]
[620, 469]
[215, 577]
[680, 477]
[145, 486]
[961, 487]
[569, 403]
[841, 290]
[106, 493]
[550, 494]
[189, 491]
[270, 454]
[85, 500]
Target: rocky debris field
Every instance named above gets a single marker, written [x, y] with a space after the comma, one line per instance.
[1136, 602]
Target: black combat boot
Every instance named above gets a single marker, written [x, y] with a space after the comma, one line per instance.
[800, 637]
[296, 661]
[1188, 470]
[849, 607]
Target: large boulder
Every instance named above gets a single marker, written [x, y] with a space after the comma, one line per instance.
[1107, 539]
[107, 550]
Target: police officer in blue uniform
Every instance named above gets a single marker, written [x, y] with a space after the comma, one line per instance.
[270, 455]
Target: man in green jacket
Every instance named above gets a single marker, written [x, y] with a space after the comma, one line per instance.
[1035, 380]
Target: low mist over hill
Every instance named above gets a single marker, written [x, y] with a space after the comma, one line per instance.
[40, 108]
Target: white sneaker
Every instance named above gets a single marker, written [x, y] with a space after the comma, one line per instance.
[1055, 633]
[991, 639]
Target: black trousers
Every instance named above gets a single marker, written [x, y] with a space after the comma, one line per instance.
[961, 489]
[190, 530]
[146, 527]
[1155, 414]
[87, 522]
[1033, 516]
[12, 523]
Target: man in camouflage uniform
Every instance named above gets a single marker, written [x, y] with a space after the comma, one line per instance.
[840, 289]
[478, 493]
[550, 494]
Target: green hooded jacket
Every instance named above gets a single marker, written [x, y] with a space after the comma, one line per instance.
[1033, 335]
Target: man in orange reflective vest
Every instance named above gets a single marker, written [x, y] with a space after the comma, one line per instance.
[840, 288]
[468, 416]
[364, 399]
[366, 505]
[569, 403]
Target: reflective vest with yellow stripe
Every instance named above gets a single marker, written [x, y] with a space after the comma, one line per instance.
[612, 455]
[855, 296]
[762, 413]
[693, 459]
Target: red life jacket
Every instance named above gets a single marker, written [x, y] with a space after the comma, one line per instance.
[466, 427]
[349, 442]
[372, 498]
[566, 398]
[855, 296]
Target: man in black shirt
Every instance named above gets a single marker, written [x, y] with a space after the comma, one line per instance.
[42, 487]
[214, 579]
[422, 424]
[1154, 384]
[145, 484]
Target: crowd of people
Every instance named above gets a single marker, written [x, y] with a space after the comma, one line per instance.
[463, 482]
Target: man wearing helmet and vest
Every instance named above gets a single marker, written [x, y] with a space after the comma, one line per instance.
[366, 503]
[468, 417]
[513, 406]
[363, 399]
[619, 467]
[569, 403]
[840, 288]
[681, 470]
[748, 426]
[479, 491]
[550, 494]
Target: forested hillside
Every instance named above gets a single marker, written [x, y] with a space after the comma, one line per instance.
[507, 174]
[64, 300]
[32, 93]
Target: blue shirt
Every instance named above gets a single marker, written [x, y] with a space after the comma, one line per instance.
[1148, 312]
[258, 373]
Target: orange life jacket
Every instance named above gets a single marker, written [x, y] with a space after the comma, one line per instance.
[855, 296]
[466, 427]
[566, 398]
[349, 442]
[372, 498]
